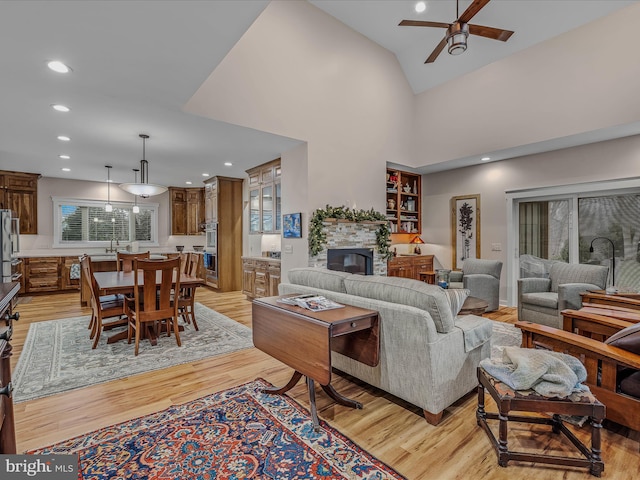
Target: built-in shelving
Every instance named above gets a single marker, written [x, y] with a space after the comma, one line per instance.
[403, 201]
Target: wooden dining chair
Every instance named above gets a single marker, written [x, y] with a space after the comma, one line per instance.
[102, 307]
[124, 261]
[152, 301]
[187, 297]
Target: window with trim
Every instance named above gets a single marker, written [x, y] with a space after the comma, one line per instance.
[86, 223]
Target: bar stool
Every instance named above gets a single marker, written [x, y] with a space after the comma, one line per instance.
[508, 399]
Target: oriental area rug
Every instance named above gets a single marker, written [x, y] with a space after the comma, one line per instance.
[57, 354]
[504, 335]
[233, 434]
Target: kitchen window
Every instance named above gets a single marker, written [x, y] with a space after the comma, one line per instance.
[86, 223]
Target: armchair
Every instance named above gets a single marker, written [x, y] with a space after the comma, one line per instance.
[610, 370]
[540, 300]
[481, 278]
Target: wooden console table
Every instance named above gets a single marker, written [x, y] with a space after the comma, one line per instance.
[304, 340]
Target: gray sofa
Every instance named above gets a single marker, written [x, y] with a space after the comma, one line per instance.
[541, 300]
[428, 357]
[482, 278]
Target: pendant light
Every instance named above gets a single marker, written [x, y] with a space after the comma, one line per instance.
[108, 207]
[144, 188]
[136, 208]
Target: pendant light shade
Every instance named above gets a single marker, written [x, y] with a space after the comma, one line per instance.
[144, 189]
[136, 208]
[107, 206]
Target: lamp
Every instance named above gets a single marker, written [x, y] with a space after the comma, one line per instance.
[107, 206]
[136, 208]
[144, 188]
[457, 34]
[416, 241]
[613, 260]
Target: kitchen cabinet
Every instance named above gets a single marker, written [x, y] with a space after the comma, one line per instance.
[404, 193]
[19, 193]
[223, 204]
[66, 267]
[260, 277]
[187, 210]
[409, 266]
[42, 274]
[265, 198]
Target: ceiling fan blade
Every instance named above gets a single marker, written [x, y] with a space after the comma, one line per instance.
[490, 32]
[422, 23]
[471, 11]
[436, 51]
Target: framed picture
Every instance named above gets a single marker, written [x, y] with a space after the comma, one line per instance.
[292, 225]
[465, 229]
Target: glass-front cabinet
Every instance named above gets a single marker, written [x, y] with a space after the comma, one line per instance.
[254, 210]
[265, 198]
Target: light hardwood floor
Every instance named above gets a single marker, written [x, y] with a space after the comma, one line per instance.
[389, 428]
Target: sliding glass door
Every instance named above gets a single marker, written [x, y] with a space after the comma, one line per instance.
[600, 226]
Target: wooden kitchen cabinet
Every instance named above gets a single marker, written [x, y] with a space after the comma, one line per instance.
[409, 266]
[260, 277]
[42, 274]
[187, 210]
[223, 204]
[66, 266]
[19, 193]
[265, 198]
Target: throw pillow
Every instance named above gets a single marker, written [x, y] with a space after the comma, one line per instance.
[456, 297]
[627, 339]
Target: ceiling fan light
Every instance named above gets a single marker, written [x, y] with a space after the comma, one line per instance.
[457, 35]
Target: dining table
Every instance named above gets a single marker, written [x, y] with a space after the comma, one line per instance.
[112, 283]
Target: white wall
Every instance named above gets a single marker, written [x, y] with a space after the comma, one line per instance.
[58, 187]
[295, 251]
[582, 81]
[614, 159]
[300, 73]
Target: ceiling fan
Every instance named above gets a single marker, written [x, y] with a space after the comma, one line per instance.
[458, 31]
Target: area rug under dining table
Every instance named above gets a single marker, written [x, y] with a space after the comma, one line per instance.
[237, 433]
[57, 354]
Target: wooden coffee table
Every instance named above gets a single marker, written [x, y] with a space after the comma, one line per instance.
[473, 306]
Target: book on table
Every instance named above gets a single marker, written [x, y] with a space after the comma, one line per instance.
[312, 302]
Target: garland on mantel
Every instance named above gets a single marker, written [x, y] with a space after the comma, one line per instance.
[317, 236]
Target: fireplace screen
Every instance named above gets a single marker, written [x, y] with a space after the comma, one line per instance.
[352, 260]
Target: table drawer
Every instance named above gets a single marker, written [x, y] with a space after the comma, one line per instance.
[352, 326]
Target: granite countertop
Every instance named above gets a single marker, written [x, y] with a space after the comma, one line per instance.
[264, 259]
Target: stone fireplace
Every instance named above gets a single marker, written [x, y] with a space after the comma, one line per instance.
[343, 234]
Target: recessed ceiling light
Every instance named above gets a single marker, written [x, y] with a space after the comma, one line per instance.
[64, 157]
[205, 174]
[65, 169]
[421, 7]
[58, 66]
[189, 183]
[485, 159]
[64, 138]
[228, 164]
[60, 108]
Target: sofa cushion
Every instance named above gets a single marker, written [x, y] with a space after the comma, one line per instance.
[577, 273]
[405, 291]
[542, 299]
[319, 278]
[456, 297]
[628, 339]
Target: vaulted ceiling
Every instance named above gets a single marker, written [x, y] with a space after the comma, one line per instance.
[136, 63]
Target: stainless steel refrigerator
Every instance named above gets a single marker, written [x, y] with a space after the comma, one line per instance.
[9, 246]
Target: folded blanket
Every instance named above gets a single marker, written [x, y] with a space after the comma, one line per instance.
[551, 374]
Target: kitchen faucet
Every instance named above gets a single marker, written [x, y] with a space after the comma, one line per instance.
[111, 249]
